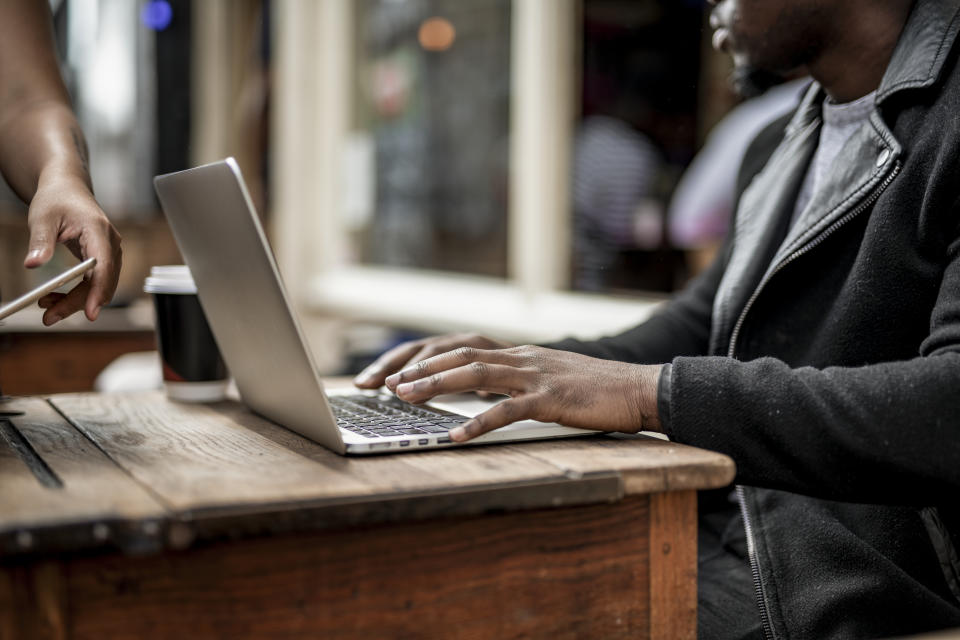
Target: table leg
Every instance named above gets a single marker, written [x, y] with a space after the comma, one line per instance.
[673, 565]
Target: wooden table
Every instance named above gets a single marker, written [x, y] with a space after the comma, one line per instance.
[68, 356]
[126, 516]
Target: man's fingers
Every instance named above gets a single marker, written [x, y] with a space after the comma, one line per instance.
[70, 303]
[43, 240]
[63, 212]
[498, 378]
[410, 356]
[500, 415]
[421, 364]
[50, 299]
[105, 247]
[373, 376]
[448, 360]
[427, 351]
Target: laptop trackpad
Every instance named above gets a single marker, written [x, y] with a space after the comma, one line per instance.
[466, 404]
[469, 404]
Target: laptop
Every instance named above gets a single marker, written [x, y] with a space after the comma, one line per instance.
[240, 289]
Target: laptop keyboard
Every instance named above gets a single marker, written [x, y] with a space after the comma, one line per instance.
[383, 416]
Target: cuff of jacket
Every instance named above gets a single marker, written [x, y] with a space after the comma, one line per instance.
[663, 399]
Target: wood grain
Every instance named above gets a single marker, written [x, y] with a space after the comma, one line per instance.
[673, 565]
[198, 456]
[34, 363]
[33, 602]
[560, 573]
[421, 471]
[98, 504]
[646, 464]
[208, 437]
[223, 471]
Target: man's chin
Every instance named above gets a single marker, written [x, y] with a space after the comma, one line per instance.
[750, 81]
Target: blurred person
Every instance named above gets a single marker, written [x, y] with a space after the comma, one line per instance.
[821, 350]
[43, 156]
[615, 171]
[701, 206]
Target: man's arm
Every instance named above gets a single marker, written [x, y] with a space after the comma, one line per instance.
[881, 433]
[43, 157]
[609, 384]
[858, 434]
[595, 385]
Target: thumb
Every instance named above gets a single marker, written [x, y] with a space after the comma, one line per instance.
[43, 240]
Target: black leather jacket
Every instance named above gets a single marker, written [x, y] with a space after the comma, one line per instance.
[826, 360]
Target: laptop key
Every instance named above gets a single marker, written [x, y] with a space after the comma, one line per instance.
[433, 428]
[377, 417]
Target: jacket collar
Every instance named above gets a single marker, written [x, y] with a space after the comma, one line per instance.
[870, 158]
[922, 48]
[808, 111]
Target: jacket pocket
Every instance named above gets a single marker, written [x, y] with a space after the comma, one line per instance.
[944, 547]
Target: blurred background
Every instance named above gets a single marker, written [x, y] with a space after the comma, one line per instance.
[516, 167]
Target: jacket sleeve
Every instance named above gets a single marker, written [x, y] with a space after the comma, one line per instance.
[881, 433]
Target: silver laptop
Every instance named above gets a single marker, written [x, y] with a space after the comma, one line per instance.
[239, 286]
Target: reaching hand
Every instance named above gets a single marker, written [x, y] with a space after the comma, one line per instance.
[543, 384]
[43, 157]
[64, 211]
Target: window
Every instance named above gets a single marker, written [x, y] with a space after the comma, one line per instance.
[329, 151]
[426, 160]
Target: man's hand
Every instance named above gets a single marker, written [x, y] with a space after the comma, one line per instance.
[542, 384]
[63, 211]
[410, 353]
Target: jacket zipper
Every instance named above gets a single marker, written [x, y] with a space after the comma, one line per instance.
[806, 248]
[754, 570]
[747, 525]
[943, 547]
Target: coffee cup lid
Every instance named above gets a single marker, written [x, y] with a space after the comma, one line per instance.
[170, 279]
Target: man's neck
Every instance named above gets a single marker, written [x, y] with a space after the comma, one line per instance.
[854, 62]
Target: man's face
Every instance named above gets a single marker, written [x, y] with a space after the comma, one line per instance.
[772, 36]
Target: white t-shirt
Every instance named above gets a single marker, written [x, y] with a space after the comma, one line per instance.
[840, 121]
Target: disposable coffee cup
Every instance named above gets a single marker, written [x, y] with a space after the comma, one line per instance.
[193, 369]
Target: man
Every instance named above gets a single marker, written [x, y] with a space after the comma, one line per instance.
[821, 351]
[43, 157]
